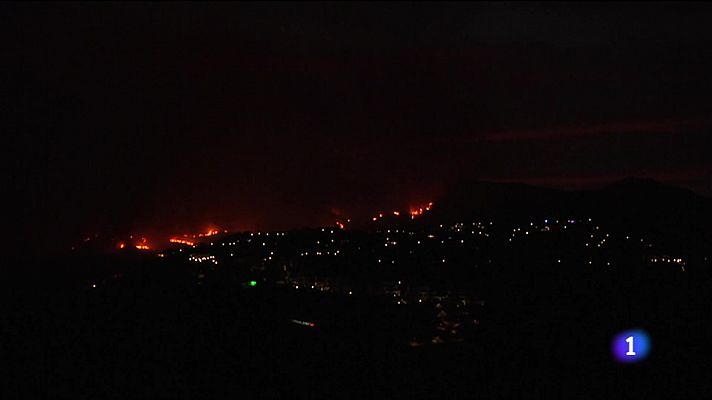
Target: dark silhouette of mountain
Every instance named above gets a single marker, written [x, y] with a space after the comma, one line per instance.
[498, 200]
[679, 215]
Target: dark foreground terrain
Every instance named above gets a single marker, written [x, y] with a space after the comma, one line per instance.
[520, 306]
[150, 331]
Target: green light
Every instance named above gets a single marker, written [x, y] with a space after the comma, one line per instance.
[253, 283]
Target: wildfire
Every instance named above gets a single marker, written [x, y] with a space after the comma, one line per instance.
[143, 245]
[190, 239]
[182, 241]
[414, 212]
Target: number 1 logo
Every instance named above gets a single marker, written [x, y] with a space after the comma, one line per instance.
[631, 346]
[630, 352]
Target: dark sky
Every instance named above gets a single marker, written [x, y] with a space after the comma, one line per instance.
[167, 118]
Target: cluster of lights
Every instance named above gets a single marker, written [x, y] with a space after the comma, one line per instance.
[202, 258]
[666, 259]
[322, 285]
[448, 234]
[267, 234]
[546, 227]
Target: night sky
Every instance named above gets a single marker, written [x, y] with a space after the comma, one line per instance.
[159, 119]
